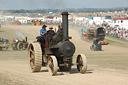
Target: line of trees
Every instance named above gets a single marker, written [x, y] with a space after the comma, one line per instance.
[68, 9]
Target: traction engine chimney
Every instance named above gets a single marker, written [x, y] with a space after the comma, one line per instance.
[65, 23]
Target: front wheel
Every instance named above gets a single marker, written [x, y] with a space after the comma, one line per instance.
[52, 65]
[25, 45]
[93, 47]
[14, 47]
[81, 63]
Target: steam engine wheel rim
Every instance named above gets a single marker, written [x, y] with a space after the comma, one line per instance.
[20, 46]
[81, 63]
[52, 65]
[35, 57]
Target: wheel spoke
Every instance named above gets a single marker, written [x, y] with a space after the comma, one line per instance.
[31, 51]
[32, 59]
[32, 64]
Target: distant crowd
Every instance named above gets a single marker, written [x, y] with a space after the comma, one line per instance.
[116, 31]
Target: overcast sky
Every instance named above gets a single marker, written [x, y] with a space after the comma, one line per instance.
[42, 4]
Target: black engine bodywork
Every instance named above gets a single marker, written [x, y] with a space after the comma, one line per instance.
[59, 45]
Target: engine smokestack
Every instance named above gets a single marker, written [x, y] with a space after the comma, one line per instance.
[65, 23]
[26, 39]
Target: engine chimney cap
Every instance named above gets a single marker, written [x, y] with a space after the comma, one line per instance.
[65, 13]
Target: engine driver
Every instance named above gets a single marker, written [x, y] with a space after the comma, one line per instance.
[43, 31]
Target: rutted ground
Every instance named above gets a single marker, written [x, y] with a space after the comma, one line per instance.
[107, 67]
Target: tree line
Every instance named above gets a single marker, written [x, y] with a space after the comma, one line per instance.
[68, 9]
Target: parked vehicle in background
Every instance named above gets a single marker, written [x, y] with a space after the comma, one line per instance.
[19, 45]
[4, 44]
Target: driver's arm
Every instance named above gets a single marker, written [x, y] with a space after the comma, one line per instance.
[43, 33]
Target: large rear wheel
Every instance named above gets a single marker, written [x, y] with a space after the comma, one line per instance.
[81, 63]
[35, 57]
[52, 65]
[20, 46]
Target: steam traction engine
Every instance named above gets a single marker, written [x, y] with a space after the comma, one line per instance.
[99, 35]
[95, 34]
[19, 45]
[57, 51]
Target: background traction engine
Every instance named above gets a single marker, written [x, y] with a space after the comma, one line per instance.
[56, 51]
[99, 36]
[19, 45]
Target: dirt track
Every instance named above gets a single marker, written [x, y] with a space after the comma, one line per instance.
[107, 67]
